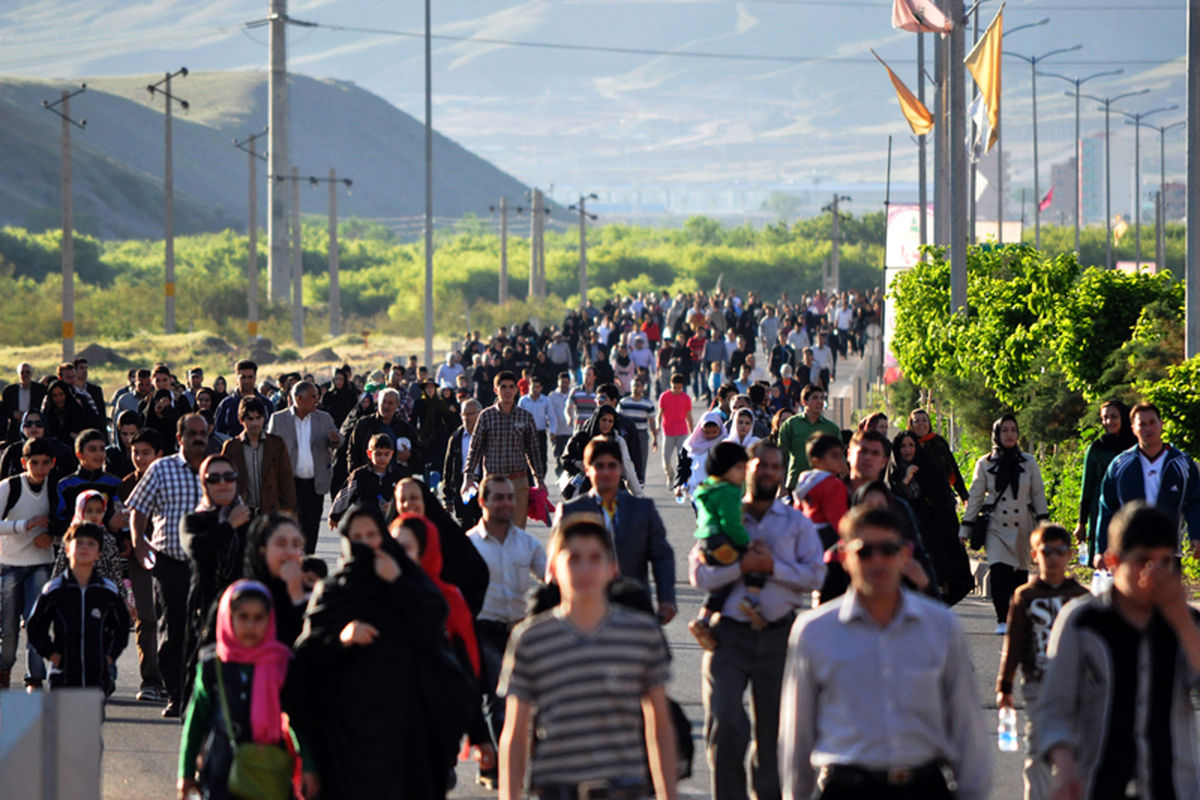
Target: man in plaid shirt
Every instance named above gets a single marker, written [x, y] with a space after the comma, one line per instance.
[505, 441]
[169, 490]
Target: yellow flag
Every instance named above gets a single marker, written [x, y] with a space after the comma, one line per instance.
[984, 63]
[918, 116]
[1119, 227]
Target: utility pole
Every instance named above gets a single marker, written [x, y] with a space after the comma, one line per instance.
[832, 277]
[1136, 121]
[335, 291]
[278, 274]
[248, 145]
[62, 107]
[922, 199]
[941, 167]
[535, 241]
[1077, 82]
[1192, 258]
[957, 178]
[503, 209]
[1106, 106]
[584, 216]
[974, 133]
[164, 86]
[428, 189]
[297, 264]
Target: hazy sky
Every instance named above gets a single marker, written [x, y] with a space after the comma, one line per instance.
[796, 98]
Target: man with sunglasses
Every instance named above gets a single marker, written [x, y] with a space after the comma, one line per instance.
[879, 696]
[1115, 715]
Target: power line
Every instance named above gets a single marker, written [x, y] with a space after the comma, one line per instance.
[646, 51]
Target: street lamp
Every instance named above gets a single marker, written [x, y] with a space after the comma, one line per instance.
[1107, 106]
[1037, 195]
[1077, 82]
[1136, 121]
[1000, 145]
[1161, 240]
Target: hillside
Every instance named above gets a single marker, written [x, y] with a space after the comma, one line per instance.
[118, 160]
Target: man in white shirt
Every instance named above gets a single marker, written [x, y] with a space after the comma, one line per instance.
[562, 425]
[513, 557]
[542, 409]
[309, 434]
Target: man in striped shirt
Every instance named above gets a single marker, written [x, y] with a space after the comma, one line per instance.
[596, 675]
[641, 411]
[505, 443]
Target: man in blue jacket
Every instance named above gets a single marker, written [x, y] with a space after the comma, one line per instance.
[1155, 472]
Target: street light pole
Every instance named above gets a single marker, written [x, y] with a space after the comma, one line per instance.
[1106, 105]
[1037, 193]
[1160, 239]
[1000, 145]
[1077, 82]
[1136, 121]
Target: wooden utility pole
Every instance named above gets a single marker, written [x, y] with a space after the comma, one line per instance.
[297, 264]
[335, 292]
[535, 243]
[249, 145]
[503, 251]
[584, 216]
[164, 87]
[62, 107]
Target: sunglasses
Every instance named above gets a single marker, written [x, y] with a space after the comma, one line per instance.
[885, 549]
[214, 478]
[1055, 550]
[33, 424]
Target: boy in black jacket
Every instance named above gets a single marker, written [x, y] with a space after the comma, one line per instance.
[79, 623]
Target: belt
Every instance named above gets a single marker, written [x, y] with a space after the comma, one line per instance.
[849, 775]
[593, 790]
[783, 622]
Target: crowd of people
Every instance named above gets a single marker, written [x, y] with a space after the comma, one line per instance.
[190, 514]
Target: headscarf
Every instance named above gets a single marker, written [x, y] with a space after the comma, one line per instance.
[269, 659]
[696, 443]
[25, 418]
[206, 503]
[1121, 440]
[1007, 460]
[733, 436]
[81, 503]
[459, 622]
[593, 424]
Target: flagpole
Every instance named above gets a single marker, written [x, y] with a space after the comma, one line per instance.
[958, 167]
[974, 131]
[921, 168]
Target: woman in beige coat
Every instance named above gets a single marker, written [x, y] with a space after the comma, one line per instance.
[1007, 487]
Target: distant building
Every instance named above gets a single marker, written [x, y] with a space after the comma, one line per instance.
[1093, 180]
[1062, 205]
[1176, 201]
[985, 204]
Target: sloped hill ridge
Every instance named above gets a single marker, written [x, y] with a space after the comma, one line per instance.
[118, 160]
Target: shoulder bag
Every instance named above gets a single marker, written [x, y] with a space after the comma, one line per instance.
[979, 527]
[259, 771]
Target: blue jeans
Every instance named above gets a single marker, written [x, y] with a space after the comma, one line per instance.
[19, 590]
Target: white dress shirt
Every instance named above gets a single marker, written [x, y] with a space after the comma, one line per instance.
[304, 459]
[511, 563]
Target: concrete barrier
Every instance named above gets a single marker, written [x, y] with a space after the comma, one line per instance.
[50, 744]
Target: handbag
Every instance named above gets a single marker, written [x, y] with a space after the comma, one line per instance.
[259, 771]
[979, 526]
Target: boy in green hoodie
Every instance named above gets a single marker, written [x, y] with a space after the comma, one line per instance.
[719, 526]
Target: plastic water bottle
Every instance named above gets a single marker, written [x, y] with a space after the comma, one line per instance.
[1006, 730]
[1102, 581]
[681, 498]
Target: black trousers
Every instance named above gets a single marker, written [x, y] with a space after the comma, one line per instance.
[1005, 581]
[927, 783]
[171, 578]
[493, 641]
[309, 506]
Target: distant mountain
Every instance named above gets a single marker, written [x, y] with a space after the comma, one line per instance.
[117, 161]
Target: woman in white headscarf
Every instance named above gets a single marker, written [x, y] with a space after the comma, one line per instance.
[690, 471]
[741, 430]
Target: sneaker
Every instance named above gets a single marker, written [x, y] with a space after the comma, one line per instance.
[5, 678]
[33, 685]
[171, 711]
[1002, 629]
[703, 633]
[152, 694]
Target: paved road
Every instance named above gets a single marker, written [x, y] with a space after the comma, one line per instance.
[141, 749]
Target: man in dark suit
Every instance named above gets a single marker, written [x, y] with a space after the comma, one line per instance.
[310, 434]
[93, 391]
[456, 455]
[273, 488]
[20, 397]
[639, 537]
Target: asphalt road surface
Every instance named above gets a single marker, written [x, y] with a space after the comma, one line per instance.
[141, 749]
